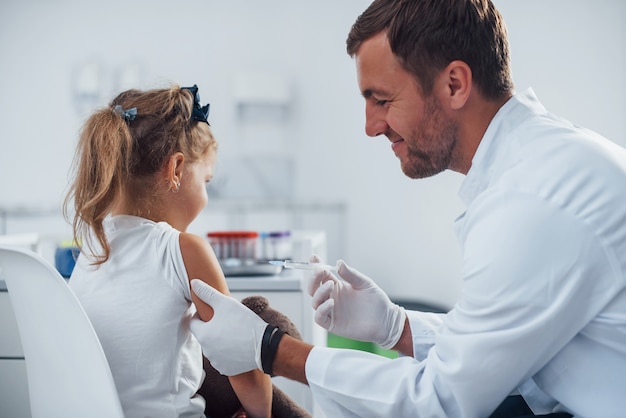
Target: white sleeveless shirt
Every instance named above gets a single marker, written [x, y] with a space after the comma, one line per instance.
[140, 305]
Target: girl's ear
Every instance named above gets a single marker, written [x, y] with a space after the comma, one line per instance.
[175, 170]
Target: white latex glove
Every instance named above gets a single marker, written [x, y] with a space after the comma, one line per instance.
[354, 307]
[231, 340]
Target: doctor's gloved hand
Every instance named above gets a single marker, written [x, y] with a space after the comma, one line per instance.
[231, 340]
[355, 307]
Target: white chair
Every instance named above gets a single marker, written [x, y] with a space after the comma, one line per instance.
[68, 373]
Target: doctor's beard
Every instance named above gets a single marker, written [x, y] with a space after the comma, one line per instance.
[432, 144]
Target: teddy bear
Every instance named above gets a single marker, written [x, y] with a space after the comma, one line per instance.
[221, 400]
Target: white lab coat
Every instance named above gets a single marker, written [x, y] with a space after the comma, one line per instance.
[543, 307]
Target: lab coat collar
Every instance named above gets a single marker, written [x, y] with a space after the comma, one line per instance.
[495, 142]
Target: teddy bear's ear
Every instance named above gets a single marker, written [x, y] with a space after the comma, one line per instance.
[260, 305]
[256, 303]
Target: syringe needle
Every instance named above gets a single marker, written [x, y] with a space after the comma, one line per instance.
[301, 265]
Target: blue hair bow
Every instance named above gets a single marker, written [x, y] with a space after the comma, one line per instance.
[128, 115]
[199, 113]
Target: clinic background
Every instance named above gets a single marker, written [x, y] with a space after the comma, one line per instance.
[287, 112]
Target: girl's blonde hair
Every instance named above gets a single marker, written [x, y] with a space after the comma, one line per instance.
[121, 152]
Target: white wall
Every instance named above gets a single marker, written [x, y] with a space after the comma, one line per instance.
[398, 230]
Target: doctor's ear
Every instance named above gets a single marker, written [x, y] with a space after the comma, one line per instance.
[457, 77]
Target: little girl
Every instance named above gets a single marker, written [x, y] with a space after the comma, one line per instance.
[141, 169]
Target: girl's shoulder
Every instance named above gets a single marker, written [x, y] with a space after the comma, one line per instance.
[201, 262]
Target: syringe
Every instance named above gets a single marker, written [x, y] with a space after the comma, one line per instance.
[301, 265]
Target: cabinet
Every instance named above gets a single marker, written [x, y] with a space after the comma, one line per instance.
[13, 384]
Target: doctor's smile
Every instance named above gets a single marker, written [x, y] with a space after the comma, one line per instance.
[395, 144]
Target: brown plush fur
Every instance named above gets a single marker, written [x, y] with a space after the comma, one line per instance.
[221, 401]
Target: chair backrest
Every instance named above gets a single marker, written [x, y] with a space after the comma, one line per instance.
[67, 370]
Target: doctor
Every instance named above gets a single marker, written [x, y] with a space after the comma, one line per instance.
[543, 308]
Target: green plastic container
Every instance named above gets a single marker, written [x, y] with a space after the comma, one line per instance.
[336, 341]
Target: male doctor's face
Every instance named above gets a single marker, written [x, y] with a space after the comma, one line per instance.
[422, 136]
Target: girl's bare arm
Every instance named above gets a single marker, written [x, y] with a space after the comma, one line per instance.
[254, 388]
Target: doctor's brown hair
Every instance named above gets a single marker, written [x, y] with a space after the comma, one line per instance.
[124, 154]
[426, 35]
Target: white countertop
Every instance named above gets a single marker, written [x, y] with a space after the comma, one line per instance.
[287, 280]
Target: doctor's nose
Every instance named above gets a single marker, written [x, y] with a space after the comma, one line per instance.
[375, 123]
